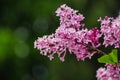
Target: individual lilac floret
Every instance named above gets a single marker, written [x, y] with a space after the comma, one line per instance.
[49, 45]
[111, 72]
[110, 28]
[69, 17]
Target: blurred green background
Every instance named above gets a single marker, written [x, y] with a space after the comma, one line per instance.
[22, 21]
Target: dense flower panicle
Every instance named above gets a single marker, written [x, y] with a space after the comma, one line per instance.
[69, 17]
[110, 28]
[70, 35]
[111, 72]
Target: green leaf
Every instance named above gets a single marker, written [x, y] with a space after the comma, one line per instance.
[111, 58]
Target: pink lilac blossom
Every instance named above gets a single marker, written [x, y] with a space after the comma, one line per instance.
[49, 46]
[73, 32]
[69, 17]
[110, 28]
[70, 35]
[111, 72]
[82, 40]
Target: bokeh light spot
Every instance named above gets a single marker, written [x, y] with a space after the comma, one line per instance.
[21, 50]
[39, 72]
[40, 25]
[21, 33]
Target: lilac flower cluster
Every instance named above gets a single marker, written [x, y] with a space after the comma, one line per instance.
[111, 72]
[49, 45]
[70, 35]
[110, 28]
[69, 17]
